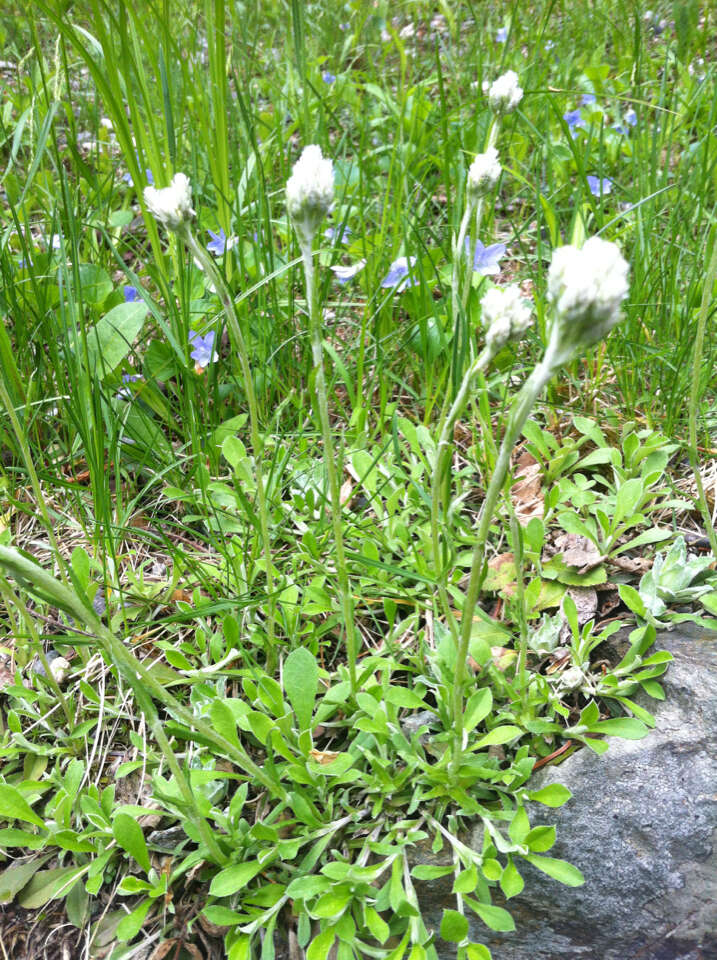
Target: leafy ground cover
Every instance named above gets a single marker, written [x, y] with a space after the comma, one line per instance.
[235, 718]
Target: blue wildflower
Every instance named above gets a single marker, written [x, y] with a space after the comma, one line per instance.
[486, 259]
[588, 98]
[599, 186]
[631, 118]
[328, 77]
[220, 243]
[203, 352]
[127, 178]
[501, 35]
[131, 294]
[574, 119]
[340, 234]
[398, 274]
[344, 274]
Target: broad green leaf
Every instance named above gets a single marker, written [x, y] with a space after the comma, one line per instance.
[540, 839]
[558, 869]
[332, 904]
[378, 927]
[494, 917]
[467, 880]
[628, 499]
[403, 697]
[499, 735]
[232, 879]
[13, 837]
[629, 728]
[511, 883]
[478, 707]
[426, 871]
[709, 602]
[554, 795]
[13, 806]
[95, 283]
[47, 885]
[304, 887]
[128, 834]
[113, 336]
[320, 945]
[222, 916]
[301, 682]
[17, 876]
[454, 926]
[632, 599]
[129, 926]
[223, 721]
[478, 951]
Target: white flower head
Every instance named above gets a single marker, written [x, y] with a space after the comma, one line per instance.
[484, 172]
[310, 191]
[586, 288]
[506, 314]
[172, 205]
[504, 94]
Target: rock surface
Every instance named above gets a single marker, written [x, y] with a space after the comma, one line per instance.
[642, 827]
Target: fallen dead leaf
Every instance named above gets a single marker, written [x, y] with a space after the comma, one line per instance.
[323, 756]
[527, 492]
[346, 492]
[586, 602]
[579, 552]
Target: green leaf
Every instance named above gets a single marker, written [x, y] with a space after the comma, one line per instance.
[223, 721]
[380, 930]
[47, 885]
[467, 880]
[558, 869]
[494, 917]
[234, 878]
[709, 602]
[519, 826]
[632, 599]
[95, 283]
[17, 876]
[454, 926]
[403, 697]
[554, 795]
[128, 834]
[478, 951]
[301, 682]
[12, 837]
[557, 569]
[426, 871]
[302, 888]
[332, 904]
[499, 735]
[113, 336]
[627, 500]
[129, 926]
[478, 707]
[222, 916]
[320, 945]
[511, 883]
[629, 728]
[13, 806]
[540, 839]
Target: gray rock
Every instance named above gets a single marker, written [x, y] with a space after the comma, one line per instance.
[642, 827]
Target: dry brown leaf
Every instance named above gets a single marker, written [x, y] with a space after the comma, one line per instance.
[631, 564]
[527, 493]
[323, 756]
[346, 492]
[579, 552]
[586, 602]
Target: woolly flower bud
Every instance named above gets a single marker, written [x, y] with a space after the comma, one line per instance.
[171, 205]
[506, 315]
[586, 288]
[484, 172]
[310, 191]
[504, 94]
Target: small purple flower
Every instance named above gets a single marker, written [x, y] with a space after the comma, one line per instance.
[220, 243]
[328, 77]
[599, 187]
[203, 352]
[486, 259]
[131, 294]
[631, 118]
[339, 234]
[574, 119]
[588, 98]
[344, 274]
[618, 128]
[127, 178]
[398, 274]
[56, 241]
[125, 393]
[23, 263]
[501, 35]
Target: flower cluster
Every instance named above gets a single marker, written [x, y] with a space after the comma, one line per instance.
[310, 191]
[504, 94]
[171, 205]
[586, 288]
[506, 315]
[483, 173]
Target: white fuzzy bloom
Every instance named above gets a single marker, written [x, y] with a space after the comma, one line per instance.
[504, 94]
[505, 314]
[310, 191]
[484, 172]
[171, 205]
[586, 287]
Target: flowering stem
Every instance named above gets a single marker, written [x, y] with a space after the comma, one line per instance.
[442, 459]
[521, 407]
[329, 459]
[707, 287]
[225, 296]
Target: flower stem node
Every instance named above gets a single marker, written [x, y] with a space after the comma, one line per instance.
[172, 205]
[310, 192]
[483, 173]
[504, 94]
[586, 287]
[506, 315]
